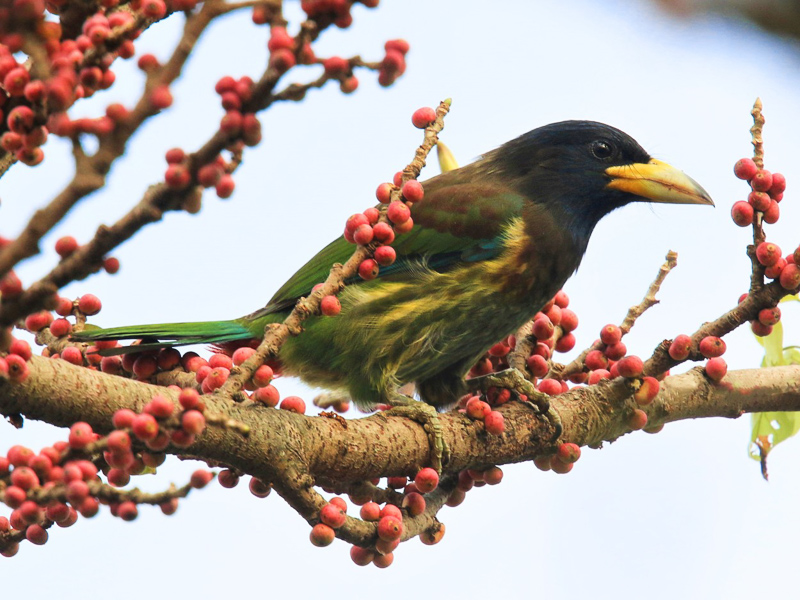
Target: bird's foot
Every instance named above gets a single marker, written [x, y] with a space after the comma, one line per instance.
[331, 399]
[425, 415]
[514, 380]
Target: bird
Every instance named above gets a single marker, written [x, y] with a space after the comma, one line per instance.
[492, 243]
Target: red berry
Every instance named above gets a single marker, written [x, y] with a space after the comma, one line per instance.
[759, 201]
[712, 346]
[569, 320]
[716, 368]
[363, 234]
[225, 186]
[773, 213]
[494, 423]
[384, 193]
[361, 556]
[637, 420]
[17, 368]
[263, 375]
[145, 426]
[368, 269]
[332, 515]
[680, 347]
[761, 181]
[537, 365]
[38, 321]
[760, 329]
[568, 452]
[336, 66]
[477, 408]
[390, 528]
[616, 351]
[322, 535]
[412, 190]
[193, 422]
[20, 119]
[769, 316]
[778, 185]
[123, 418]
[111, 265]
[768, 253]
[745, 168]
[790, 277]
[267, 395]
[549, 386]
[36, 534]
[80, 435]
[398, 212]
[89, 304]
[423, 117]
[66, 246]
[330, 306]
[21, 348]
[385, 255]
[398, 45]
[294, 404]
[177, 176]
[630, 366]
[200, 478]
[565, 343]
[427, 480]
[742, 213]
[161, 97]
[647, 392]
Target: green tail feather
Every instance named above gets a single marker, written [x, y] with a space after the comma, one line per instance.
[172, 334]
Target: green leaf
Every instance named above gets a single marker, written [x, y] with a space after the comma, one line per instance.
[771, 428]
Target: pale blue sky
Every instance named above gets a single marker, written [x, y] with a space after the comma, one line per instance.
[684, 512]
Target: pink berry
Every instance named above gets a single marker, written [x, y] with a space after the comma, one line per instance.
[267, 395]
[647, 392]
[745, 168]
[330, 306]
[742, 213]
[398, 212]
[370, 511]
[384, 193]
[790, 277]
[412, 190]
[145, 426]
[294, 404]
[21, 348]
[551, 387]
[616, 351]
[423, 117]
[568, 452]
[161, 97]
[368, 269]
[363, 234]
[712, 346]
[200, 478]
[89, 304]
[427, 480]
[18, 370]
[390, 528]
[66, 246]
[680, 347]
[322, 535]
[768, 253]
[193, 422]
[494, 423]
[477, 408]
[80, 435]
[773, 213]
[759, 201]
[630, 366]
[361, 556]
[761, 181]
[332, 515]
[716, 368]
[385, 255]
[637, 420]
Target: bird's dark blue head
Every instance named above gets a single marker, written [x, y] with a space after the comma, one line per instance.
[586, 169]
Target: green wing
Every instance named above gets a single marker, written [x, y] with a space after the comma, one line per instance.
[455, 223]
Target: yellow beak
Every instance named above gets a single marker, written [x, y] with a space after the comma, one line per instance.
[658, 182]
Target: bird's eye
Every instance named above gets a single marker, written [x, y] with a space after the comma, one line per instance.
[602, 150]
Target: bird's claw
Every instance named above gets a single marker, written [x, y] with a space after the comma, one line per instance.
[514, 380]
[425, 415]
